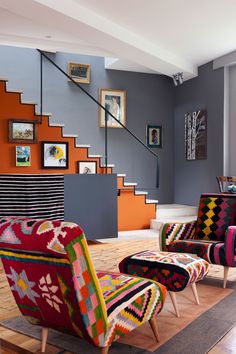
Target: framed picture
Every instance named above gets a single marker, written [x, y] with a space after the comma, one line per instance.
[196, 135]
[54, 154]
[22, 131]
[154, 136]
[79, 72]
[115, 102]
[87, 167]
[23, 156]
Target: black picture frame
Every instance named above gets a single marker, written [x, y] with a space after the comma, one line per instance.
[55, 154]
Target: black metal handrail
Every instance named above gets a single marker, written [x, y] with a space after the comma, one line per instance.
[42, 54]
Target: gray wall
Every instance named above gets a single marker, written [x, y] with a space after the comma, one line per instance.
[150, 99]
[203, 92]
[232, 121]
[91, 202]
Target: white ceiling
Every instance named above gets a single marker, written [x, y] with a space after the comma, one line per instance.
[153, 36]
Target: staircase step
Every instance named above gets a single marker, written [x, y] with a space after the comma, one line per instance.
[108, 165]
[95, 156]
[140, 193]
[130, 184]
[83, 146]
[70, 136]
[151, 201]
[174, 210]
[121, 175]
[44, 114]
[56, 125]
[155, 224]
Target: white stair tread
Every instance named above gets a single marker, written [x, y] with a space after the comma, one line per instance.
[56, 125]
[151, 201]
[29, 102]
[140, 193]
[121, 174]
[127, 184]
[44, 114]
[14, 91]
[83, 146]
[108, 165]
[175, 210]
[95, 156]
[70, 136]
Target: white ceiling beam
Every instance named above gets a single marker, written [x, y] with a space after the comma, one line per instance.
[101, 32]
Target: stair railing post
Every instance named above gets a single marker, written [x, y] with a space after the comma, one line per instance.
[106, 147]
[41, 88]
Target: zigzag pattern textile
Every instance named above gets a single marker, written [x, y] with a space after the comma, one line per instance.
[174, 270]
[215, 214]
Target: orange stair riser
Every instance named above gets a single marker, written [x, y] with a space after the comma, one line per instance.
[133, 213]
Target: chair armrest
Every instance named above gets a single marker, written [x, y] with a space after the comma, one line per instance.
[170, 232]
[230, 245]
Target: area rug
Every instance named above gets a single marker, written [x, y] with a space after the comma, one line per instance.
[196, 331]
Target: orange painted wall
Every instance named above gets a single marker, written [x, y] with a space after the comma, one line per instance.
[12, 108]
[133, 213]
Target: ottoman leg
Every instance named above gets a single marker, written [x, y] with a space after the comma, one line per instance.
[174, 302]
[226, 271]
[154, 328]
[195, 293]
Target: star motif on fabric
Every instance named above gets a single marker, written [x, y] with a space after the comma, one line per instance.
[22, 285]
[48, 292]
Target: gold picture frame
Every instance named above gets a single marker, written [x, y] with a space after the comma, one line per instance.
[115, 102]
[79, 72]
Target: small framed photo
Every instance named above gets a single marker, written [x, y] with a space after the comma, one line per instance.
[154, 136]
[87, 167]
[22, 131]
[79, 72]
[55, 154]
[23, 156]
[115, 102]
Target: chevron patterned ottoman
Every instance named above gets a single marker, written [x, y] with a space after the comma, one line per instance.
[174, 270]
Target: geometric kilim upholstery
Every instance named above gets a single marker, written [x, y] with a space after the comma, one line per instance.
[212, 236]
[215, 214]
[55, 285]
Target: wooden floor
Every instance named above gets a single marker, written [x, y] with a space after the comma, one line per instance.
[105, 257]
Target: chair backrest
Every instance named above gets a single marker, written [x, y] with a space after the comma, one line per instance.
[52, 277]
[224, 182]
[216, 212]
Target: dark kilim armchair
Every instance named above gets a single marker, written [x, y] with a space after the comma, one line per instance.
[211, 237]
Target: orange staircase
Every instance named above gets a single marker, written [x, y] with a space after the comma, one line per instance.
[134, 209]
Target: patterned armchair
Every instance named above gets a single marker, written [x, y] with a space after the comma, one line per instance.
[212, 236]
[55, 285]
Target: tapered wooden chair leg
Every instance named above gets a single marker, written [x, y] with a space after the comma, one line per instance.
[44, 338]
[174, 302]
[195, 293]
[153, 324]
[226, 271]
[104, 350]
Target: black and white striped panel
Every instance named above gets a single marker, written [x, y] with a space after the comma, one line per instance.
[32, 195]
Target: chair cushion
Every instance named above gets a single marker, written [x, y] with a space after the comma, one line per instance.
[130, 301]
[212, 251]
[216, 212]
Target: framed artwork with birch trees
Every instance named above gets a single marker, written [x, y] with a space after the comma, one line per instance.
[196, 135]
